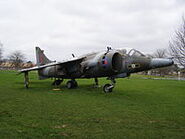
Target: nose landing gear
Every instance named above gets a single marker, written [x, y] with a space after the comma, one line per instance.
[108, 88]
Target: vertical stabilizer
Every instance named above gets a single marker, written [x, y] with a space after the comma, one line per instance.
[41, 58]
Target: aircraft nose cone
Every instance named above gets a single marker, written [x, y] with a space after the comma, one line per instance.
[161, 62]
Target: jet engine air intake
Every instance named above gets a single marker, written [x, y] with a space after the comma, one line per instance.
[112, 61]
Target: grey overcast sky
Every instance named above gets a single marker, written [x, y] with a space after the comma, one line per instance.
[62, 27]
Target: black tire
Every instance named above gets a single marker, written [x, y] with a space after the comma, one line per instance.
[70, 84]
[58, 82]
[107, 89]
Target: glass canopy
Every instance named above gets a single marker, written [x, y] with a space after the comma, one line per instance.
[130, 51]
[134, 52]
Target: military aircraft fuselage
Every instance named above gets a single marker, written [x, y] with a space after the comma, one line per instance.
[112, 63]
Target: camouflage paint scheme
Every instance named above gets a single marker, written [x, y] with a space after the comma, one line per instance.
[112, 63]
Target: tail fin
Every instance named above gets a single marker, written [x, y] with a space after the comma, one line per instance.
[41, 58]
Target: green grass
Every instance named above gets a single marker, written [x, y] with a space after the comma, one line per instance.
[137, 108]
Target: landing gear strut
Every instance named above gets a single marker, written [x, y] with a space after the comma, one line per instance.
[71, 84]
[96, 81]
[107, 88]
[96, 85]
[26, 80]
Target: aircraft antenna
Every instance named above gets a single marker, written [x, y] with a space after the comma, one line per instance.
[108, 48]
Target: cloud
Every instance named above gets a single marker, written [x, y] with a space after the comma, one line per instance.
[62, 27]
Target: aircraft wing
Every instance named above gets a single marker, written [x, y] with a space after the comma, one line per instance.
[68, 62]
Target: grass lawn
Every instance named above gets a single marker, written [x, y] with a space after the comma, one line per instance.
[137, 108]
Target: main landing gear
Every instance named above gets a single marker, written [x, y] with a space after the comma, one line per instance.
[57, 82]
[71, 84]
[107, 88]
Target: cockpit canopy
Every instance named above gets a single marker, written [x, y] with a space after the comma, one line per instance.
[132, 52]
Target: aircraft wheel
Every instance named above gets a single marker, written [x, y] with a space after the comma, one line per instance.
[108, 88]
[71, 84]
[58, 82]
[26, 86]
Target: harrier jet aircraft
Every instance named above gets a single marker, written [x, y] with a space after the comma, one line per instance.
[111, 63]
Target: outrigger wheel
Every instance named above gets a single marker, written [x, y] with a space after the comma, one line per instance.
[72, 84]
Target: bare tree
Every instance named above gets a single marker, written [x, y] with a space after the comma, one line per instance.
[160, 53]
[16, 58]
[177, 45]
